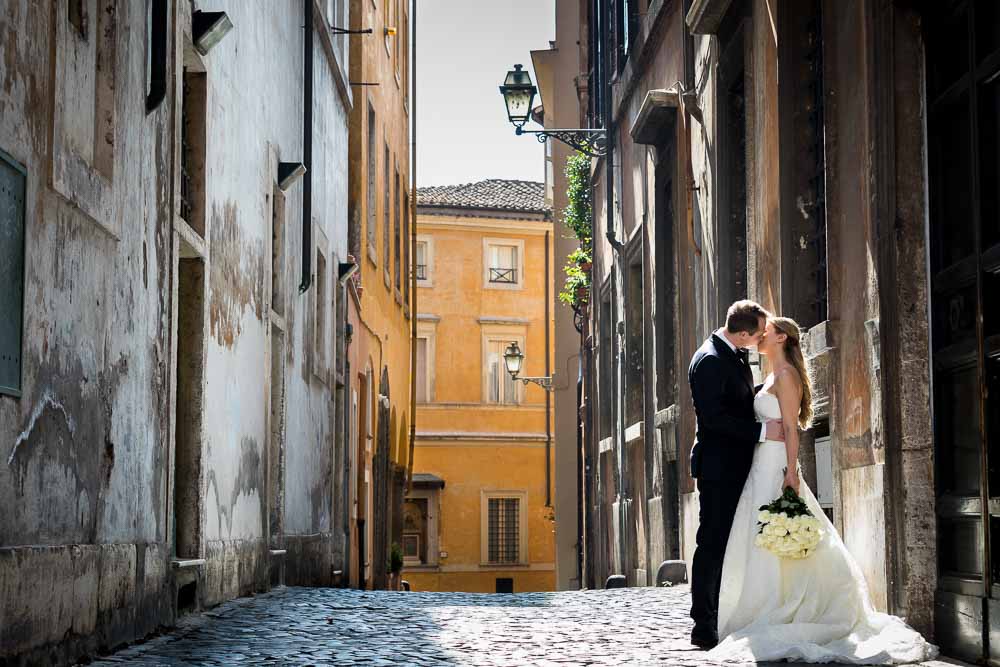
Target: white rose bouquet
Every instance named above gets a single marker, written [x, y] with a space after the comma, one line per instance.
[787, 528]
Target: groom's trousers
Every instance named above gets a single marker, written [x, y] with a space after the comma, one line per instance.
[717, 506]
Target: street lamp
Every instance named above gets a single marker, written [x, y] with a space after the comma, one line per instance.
[518, 93]
[513, 358]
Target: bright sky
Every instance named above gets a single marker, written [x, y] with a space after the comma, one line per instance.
[464, 49]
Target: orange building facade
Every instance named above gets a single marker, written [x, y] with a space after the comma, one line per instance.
[478, 516]
[377, 376]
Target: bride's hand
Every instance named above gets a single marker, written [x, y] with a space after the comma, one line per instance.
[791, 480]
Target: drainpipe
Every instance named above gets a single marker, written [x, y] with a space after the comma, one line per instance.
[411, 82]
[548, 392]
[307, 113]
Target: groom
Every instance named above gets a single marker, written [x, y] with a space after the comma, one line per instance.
[723, 392]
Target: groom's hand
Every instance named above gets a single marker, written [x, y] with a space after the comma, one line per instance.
[775, 430]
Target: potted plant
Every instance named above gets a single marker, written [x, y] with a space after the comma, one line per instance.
[395, 565]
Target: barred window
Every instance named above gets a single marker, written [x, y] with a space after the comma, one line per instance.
[504, 530]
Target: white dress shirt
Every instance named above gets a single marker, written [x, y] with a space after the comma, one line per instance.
[721, 333]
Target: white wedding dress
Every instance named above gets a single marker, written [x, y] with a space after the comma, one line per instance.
[811, 610]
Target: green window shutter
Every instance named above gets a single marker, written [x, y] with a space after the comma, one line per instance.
[12, 192]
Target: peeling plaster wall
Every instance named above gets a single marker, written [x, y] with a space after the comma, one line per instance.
[83, 451]
[86, 534]
[255, 107]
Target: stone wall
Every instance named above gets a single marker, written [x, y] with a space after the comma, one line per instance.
[147, 322]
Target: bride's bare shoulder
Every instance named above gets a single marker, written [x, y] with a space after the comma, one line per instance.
[786, 379]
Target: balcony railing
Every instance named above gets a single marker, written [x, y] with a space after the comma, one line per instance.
[421, 271]
[507, 276]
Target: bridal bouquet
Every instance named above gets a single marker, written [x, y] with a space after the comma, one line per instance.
[787, 527]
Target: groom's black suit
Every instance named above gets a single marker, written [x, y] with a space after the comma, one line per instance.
[723, 391]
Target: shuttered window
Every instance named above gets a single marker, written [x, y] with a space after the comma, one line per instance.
[12, 192]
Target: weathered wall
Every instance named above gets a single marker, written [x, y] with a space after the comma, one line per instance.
[88, 471]
[84, 452]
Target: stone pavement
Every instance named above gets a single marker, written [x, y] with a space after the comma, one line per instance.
[322, 626]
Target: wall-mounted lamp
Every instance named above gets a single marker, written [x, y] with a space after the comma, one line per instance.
[513, 359]
[288, 173]
[390, 32]
[518, 93]
[208, 28]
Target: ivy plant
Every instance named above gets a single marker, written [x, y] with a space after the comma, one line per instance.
[578, 216]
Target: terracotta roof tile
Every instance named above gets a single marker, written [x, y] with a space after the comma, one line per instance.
[494, 194]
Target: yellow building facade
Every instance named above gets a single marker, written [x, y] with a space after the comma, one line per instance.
[377, 377]
[478, 516]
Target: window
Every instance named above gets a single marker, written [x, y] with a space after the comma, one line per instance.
[635, 353]
[398, 39]
[503, 263]
[85, 69]
[504, 523]
[426, 334]
[503, 530]
[12, 192]
[405, 37]
[386, 238]
[320, 314]
[500, 387]
[193, 147]
[407, 276]
[425, 261]
[278, 250]
[397, 257]
[606, 364]
[336, 16]
[423, 384]
[372, 166]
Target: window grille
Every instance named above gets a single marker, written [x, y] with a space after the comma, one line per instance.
[508, 276]
[504, 530]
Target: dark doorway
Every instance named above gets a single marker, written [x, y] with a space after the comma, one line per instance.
[190, 367]
[732, 193]
[505, 585]
[963, 89]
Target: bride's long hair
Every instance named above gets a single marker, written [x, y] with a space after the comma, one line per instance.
[793, 352]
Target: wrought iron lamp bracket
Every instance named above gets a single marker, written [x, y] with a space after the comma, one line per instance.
[543, 382]
[592, 142]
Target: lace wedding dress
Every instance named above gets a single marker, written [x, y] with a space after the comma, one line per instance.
[811, 610]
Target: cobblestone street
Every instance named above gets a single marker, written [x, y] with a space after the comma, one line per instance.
[315, 626]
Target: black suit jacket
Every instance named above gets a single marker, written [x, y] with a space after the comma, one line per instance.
[723, 390]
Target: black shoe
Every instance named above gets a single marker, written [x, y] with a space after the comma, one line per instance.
[704, 642]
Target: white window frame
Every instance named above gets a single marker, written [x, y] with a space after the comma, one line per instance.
[522, 525]
[428, 330]
[321, 320]
[502, 335]
[488, 243]
[428, 259]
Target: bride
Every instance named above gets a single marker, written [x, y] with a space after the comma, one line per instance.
[812, 610]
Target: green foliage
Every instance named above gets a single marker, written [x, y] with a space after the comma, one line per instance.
[578, 216]
[395, 558]
[576, 278]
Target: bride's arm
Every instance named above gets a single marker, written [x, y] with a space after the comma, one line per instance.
[789, 392]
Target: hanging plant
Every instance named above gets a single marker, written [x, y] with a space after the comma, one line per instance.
[578, 218]
[578, 214]
[576, 289]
